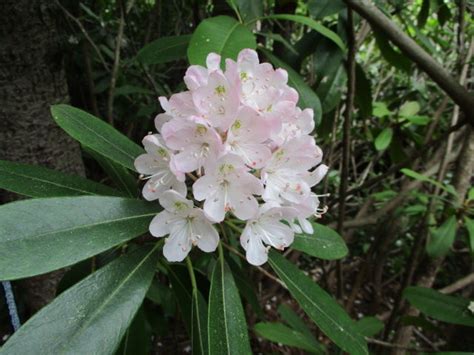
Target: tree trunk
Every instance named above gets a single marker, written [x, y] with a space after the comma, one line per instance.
[32, 79]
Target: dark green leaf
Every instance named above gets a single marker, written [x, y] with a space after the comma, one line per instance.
[96, 135]
[138, 337]
[92, 316]
[121, 176]
[369, 326]
[469, 223]
[164, 49]
[248, 9]
[325, 243]
[384, 139]
[320, 307]
[442, 238]
[363, 88]
[442, 307]
[280, 333]
[322, 8]
[222, 35]
[444, 14]
[397, 59]
[41, 235]
[37, 181]
[326, 32]
[331, 88]
[182, 289]
[227, 328]
[294, 321]
[423, 14]
[130, 89]
[199, 335]
[308, 98]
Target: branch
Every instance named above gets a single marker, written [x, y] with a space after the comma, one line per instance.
[417, 54]
[458, 285]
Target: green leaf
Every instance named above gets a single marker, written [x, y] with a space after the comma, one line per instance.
[369, 326]
[418, 120]
[248, 9]
[227, 328]
[319, 9]
[294, 321]
[41, 235]
[423, 14]
[280, 333]
[442, 238]
[199, 335]
[330, 89]
[182, 289]
[320, 306]
[384, 139]
[37, 181]
[363, 88]
[469, 223]
[164, 49]
[308, 98]
[222, 35]
[381, 110]
[325, 243]
[420, 177]
[397, 59]
[326, 32]
[409, 108]
[449, 309]
[138, 337]
[122, 177]
[97, 135]
[92, 316]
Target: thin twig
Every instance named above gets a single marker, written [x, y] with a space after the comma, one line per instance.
[115, 68]
[395, 346]
[84, 32]
[459, 284]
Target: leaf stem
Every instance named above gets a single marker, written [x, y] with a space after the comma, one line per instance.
[189, 264]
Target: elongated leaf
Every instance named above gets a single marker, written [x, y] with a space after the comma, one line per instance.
[421, 177]
[330, 89]
[322, 8]
[138, 337]
[320, 307]
[469, 223]
[41, 235]
[326, 32]
[295, 322]
[308, 98]
[248, 9]
[363, 99]
[222, 35]
[384, 139]
[442, 307]
[442, 238]
[130, 89]
[227, 328]
[182, 290]
[164, 49]
[397, 59]
[96, 134]
[121, 176]
[92, 316]
[325, 243]
[369, 326]
[199, 335]
[280, 333]
[423, 14]
[37, 181]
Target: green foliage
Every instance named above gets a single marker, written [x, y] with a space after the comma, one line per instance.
[97, 135]
[164, 50]
[442, 307]
[325, 243]
[320, 307]
[226, 321]
[222, 35]
[442, 238]
[36, 181]
[60, 231]
[106, 300]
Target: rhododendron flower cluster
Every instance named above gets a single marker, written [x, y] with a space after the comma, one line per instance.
[235, 146]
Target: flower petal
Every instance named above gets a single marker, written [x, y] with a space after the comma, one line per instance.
[159, 226]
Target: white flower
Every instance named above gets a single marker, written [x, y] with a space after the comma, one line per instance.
[156, 166]
[228, 187]
[186, 226]
[267, 229]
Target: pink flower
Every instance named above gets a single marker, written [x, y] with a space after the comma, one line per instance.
[228, 187]
[156, 165]
[247, 135]
[266, 228]
[186, 226]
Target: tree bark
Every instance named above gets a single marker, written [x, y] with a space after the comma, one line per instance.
[32, 79]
